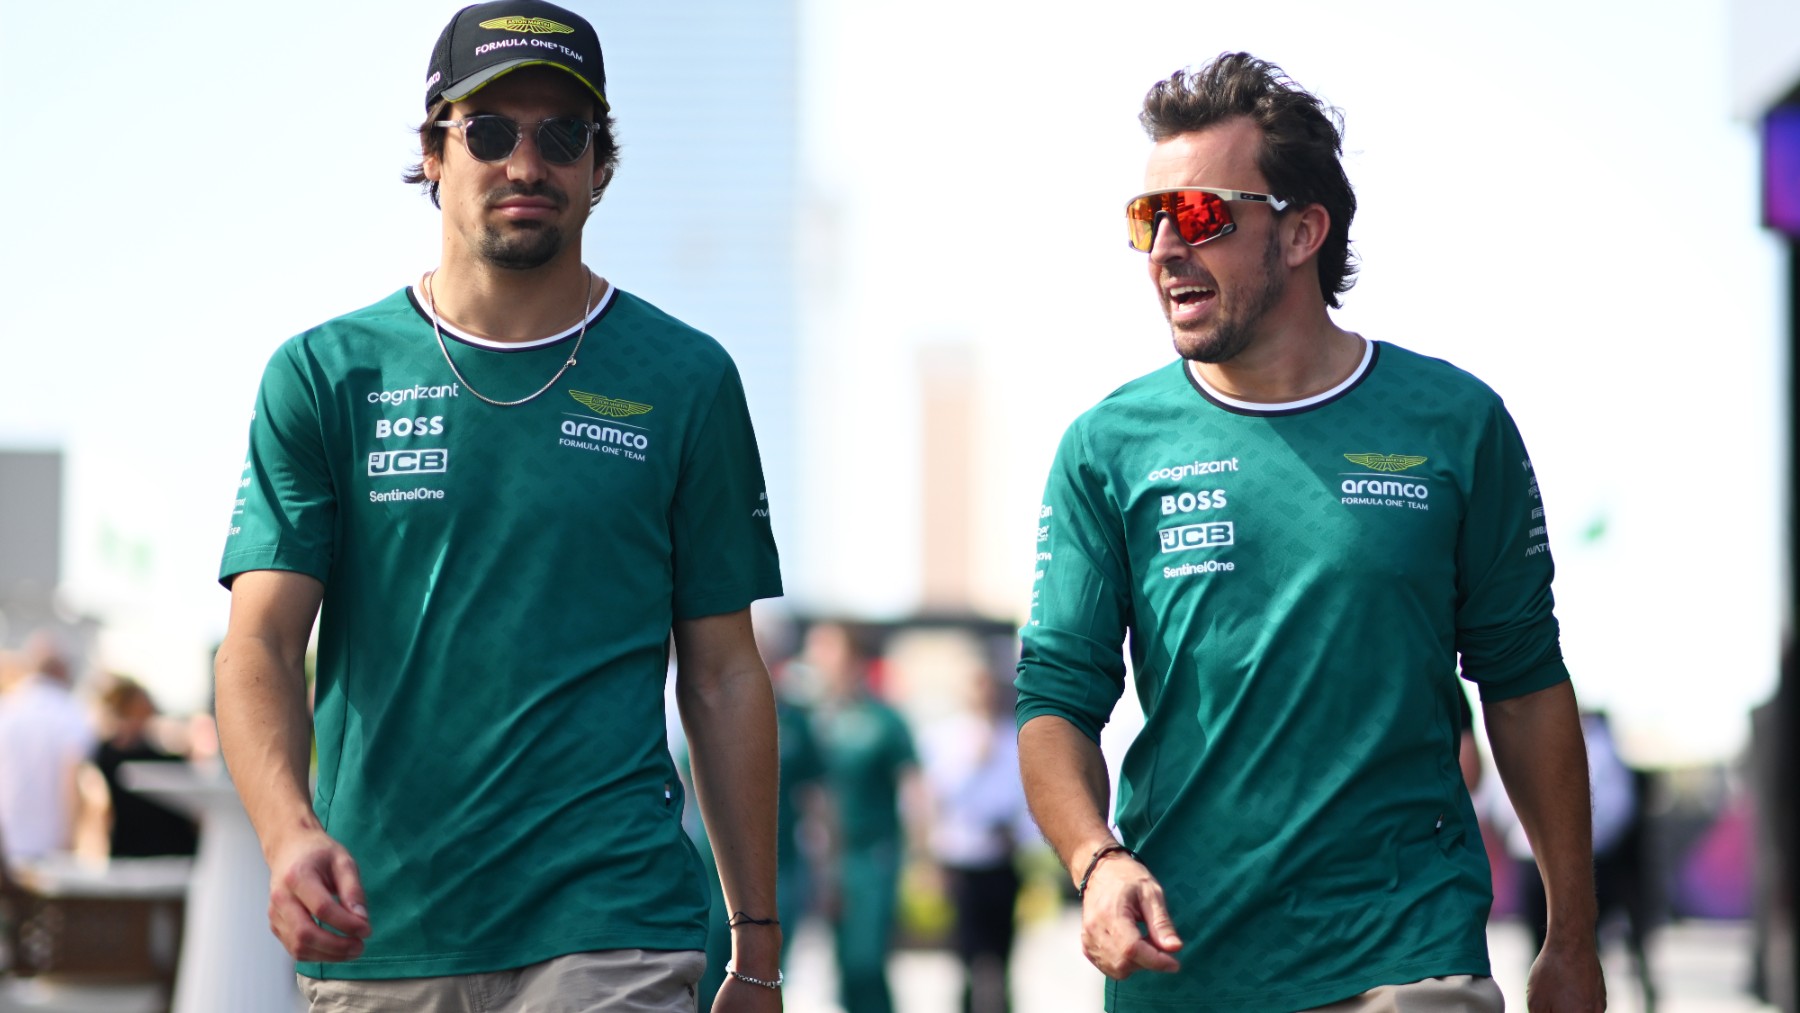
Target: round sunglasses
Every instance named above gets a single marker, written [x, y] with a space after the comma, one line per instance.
[561, 140]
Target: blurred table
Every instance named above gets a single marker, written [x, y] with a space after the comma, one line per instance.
[94, 935]
[229, 959]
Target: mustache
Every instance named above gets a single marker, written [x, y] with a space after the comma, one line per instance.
[541, 190]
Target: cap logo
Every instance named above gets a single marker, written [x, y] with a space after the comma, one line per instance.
[535, 26]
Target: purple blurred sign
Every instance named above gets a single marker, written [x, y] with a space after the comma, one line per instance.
[1781, 169]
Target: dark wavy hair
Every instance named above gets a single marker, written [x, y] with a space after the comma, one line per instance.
[1302, 142]
[431, 143]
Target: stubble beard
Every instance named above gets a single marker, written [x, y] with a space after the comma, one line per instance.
[522, 246]
[1226, 338]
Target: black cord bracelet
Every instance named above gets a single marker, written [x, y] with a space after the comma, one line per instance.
[1093, 863]
[742, 918]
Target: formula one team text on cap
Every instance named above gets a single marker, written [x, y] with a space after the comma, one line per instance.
[488, 47]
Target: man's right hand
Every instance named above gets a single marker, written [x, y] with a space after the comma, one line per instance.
[313, 877]
[1121, 894]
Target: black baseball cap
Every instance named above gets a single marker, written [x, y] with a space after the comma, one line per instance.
[488, 40]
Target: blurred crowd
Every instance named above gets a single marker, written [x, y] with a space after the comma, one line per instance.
[901, 811]
[902, 819]
[62, 788]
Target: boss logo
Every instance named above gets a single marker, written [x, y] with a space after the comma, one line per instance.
[421, 426]
[408, 462]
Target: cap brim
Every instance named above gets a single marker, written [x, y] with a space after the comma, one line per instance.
[456, 91]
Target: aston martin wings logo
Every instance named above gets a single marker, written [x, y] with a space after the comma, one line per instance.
[1385, 462]
[614, 408]
[519, 23]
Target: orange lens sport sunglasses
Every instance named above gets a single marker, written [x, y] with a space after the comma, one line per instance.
[1200, 213]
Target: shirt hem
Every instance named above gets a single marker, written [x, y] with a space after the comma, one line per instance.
[488, 961]
[724, 602]
[1316, 995]
[1550, 673]
[245, 561]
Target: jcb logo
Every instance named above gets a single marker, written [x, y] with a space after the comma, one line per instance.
[409, 462]
[1196, 536]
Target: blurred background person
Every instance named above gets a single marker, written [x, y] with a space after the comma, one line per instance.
[978, 819]
[45, 736]
[139, 827]
[869, 764]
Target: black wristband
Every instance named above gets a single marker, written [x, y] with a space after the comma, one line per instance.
[1093, 863]
[741, 918]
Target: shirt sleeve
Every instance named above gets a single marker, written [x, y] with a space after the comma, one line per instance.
[1071, 661]
[1506, 631]
[724, 547]
[285, 513]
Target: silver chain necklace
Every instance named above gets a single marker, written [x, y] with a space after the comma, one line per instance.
[431, 300]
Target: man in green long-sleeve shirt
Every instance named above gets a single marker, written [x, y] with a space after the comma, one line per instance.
[1301, 533]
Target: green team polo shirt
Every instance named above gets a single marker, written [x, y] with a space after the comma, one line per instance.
[500, 585]
[1296, 583]
[865, 745]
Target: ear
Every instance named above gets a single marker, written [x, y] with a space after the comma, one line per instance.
[600, 176]
[1303, 232]
[433, 166]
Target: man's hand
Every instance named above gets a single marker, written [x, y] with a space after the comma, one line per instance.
[1566, 978]
[313, 877]
[1121, 893]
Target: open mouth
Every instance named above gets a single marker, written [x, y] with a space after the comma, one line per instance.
[1191, 295]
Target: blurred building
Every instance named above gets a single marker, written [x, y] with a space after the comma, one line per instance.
[31, 509]
[1766, 91]
[701, 218]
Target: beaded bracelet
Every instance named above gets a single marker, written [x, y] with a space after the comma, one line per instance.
[1081, 888]
[732, 970]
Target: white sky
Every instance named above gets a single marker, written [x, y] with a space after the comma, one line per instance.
[1552, 196]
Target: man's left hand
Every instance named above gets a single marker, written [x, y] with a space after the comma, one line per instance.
[1566, 978]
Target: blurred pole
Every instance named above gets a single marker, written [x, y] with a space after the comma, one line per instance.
[1782, 955]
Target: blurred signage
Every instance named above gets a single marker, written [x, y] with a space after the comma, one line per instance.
[1781, 169]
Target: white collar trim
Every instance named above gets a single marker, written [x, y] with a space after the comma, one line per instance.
[1288, 406]
[510, 346]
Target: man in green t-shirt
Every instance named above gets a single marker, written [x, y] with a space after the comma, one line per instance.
[872, 773]
[502, 491]
[1303, 534]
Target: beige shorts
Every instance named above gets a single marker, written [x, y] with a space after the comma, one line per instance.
[1457, 993]
[608, 981]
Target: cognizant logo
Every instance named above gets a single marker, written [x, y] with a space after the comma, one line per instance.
[1181, 471]
[1384, 487]
[418, 392]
